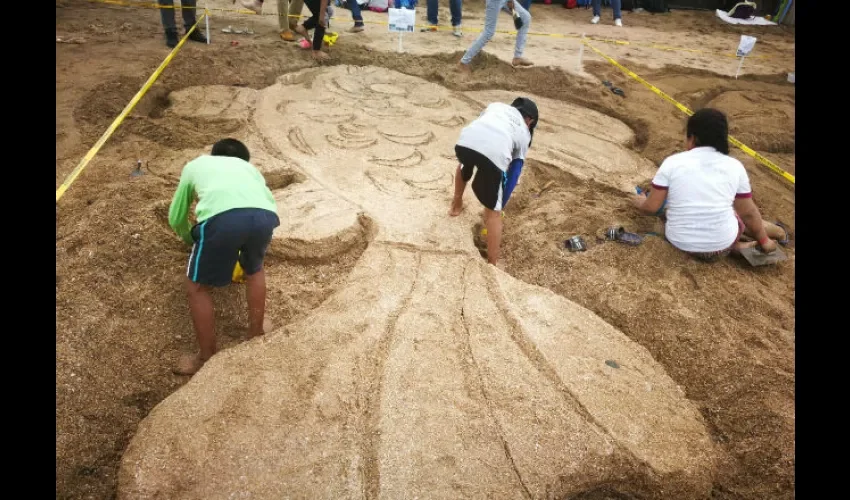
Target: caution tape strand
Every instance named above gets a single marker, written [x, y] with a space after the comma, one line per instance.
[127, 109]
[743, 147]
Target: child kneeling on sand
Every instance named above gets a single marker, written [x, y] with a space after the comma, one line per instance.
[236, 215]
[494, 145]
[709, 204]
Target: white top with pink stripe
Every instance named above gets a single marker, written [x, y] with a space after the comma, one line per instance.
[702, 185]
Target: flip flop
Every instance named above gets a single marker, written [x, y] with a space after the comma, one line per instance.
[575, 244]
[607, 83]
[618, 91]
[784, 242]
[618, 233]
[228, 29]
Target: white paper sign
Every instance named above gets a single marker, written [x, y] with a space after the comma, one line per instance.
[402, 20]
[746, 45]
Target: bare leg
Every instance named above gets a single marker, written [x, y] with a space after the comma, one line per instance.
[773, 231]
[493, 222]
[460, 187]
[255, 291]
[203, 318]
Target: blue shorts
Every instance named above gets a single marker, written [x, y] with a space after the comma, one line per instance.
[241, 234]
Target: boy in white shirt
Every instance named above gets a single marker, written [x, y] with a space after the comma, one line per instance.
[709, 203]
[494, 146]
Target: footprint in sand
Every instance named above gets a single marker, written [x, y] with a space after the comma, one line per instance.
[428, 373]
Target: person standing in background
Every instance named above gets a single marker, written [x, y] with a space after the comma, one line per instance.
[491, 17]
[288, 12]
[357, 16]
[318, 22]
[456, 8]
[187, 9]
[615, 6]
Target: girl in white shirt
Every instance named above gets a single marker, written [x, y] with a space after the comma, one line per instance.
[709, 204]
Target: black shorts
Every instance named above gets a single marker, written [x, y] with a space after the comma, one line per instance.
[241, 234]
[489, 183]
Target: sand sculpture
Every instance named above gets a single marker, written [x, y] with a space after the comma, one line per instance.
[429, 374]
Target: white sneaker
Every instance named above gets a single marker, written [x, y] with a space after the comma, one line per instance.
[457, 31]
[595, 20]
[618, 22]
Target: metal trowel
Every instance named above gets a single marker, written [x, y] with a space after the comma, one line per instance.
[758, 258]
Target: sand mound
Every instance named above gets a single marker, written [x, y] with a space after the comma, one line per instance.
[428, 372]
[761, 120]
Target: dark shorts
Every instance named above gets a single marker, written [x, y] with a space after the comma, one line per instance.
[241, 234]
[490, 183]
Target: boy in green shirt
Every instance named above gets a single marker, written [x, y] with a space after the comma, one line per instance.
[236, 216]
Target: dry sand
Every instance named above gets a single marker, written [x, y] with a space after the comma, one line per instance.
[404, 363]
[427, 364]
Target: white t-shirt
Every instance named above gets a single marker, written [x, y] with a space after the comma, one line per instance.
[702, 185]
[500, 134]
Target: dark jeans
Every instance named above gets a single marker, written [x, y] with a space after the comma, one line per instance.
[615, 5]
[526, 4]
[187, 7]
[355, 12]
[313, 23]
[454, 5]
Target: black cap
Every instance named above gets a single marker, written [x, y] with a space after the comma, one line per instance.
[528, 108]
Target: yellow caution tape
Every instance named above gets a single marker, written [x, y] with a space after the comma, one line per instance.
[743, 147]
[132, 104]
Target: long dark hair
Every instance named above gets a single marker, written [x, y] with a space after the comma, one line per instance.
[709, 127]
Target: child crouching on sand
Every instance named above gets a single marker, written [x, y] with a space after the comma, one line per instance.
[494, 146]
[236, 214]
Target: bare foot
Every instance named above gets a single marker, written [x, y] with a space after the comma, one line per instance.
[522, 62]
[456, 209]
[189, 364]
[301, 30]
[267, 325]
[743, 244]
[320, 56]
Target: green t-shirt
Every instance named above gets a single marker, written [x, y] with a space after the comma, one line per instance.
[221, 183]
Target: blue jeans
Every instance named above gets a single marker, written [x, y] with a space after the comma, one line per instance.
[355, 12]
[454, 5]
[187, 8]
[491, 13]
[526, 4]
[615, 4]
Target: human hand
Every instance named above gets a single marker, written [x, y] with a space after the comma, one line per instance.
[638, 199]
[510, 5]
